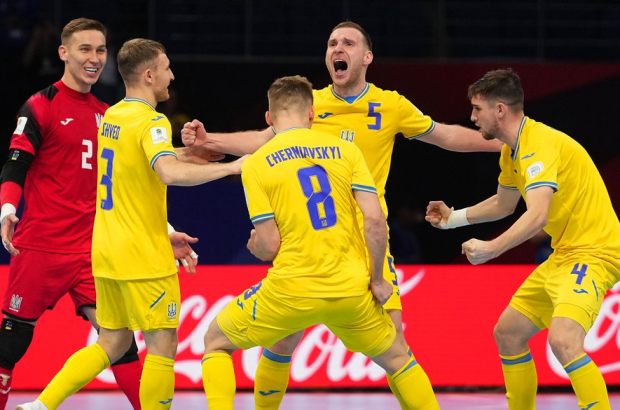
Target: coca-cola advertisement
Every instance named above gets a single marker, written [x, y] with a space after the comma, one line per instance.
[448, 315]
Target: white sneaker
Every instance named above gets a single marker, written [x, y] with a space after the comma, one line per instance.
[33, 405]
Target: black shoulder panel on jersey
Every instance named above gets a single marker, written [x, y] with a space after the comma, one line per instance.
[32, 129]
[50, 92]
[16, 167]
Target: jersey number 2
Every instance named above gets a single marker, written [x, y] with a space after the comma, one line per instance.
[106, 179]
[320, 203]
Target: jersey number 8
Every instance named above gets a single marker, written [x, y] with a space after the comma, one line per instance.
[320, 203]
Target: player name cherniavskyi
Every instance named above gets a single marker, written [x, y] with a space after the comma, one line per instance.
[299, 152]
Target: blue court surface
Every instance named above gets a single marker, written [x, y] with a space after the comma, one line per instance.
[316, 401]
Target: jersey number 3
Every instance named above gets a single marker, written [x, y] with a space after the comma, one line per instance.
[320, 203]
[106, 179]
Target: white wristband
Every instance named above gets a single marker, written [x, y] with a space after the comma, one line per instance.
[170, 229]
[6, 210]
[456, 219]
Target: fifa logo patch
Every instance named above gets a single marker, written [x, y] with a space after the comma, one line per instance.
[172, 311]
[159, 134]
[535, 169]
[16, 303]
[21, 124]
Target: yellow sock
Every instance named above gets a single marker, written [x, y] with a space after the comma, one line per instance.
[82, 367]
[394, 388]
[157, 383]
[271, 380]
[218, 378]
[521, 381]
[588, 383]
[414, 387]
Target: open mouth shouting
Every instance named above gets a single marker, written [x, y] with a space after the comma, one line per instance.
[340, 67]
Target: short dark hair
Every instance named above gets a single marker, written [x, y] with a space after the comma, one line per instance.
[135, 54]
[80, 24]
[499, 85]
[290, 93]
[350, 24]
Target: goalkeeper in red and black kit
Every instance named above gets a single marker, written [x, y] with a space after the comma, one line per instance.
[52, 161]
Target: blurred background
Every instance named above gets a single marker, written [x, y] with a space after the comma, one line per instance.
[225, 54]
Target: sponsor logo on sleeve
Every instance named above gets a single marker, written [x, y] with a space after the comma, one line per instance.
[159, 134]
[535, 169]
[21, 124]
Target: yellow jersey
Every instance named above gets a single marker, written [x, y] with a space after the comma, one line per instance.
[581, 217]
[371, 121]
[305, 179]
[130, 235]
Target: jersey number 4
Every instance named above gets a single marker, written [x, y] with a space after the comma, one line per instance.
[106, 179]
[320, 203]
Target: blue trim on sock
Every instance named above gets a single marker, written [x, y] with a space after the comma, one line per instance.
[577, 364]
[523, 359]
[409, 366]
[276, 357]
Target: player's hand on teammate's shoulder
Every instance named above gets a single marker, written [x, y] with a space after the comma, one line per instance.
[194, 134]
[8, 229]
[238, 163]
[381, 290]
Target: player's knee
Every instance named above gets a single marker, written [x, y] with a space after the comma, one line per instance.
[15, 338]
[504, 335]
[564, 347]
[131, 355]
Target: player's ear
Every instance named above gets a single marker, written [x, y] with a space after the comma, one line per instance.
[311, 114]
[501, 109]
[62, 53]
[268, 119]
[148, 75]
[368, 57]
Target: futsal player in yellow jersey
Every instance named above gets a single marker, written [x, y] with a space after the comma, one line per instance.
[369, 117]
[565, 196]
[135, 275]
[302, 188]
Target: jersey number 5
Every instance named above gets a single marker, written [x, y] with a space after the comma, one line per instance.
[106, 179]
[320, 203]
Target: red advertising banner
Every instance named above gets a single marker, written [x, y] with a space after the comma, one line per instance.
[449, 314]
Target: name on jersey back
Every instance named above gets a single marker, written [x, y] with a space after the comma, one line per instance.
[298, 152]
[110, 130]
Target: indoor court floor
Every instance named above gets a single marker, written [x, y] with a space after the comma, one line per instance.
[190, 400]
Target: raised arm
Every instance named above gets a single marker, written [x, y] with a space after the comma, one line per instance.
[174, 172]
[375, 236]
[264, 242]
[461, 139]
[499, 206]
[194, 134]
[529, 224]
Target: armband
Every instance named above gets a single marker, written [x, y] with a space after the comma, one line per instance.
[456, 219]
[6, 210]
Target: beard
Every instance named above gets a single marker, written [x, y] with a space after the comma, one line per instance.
[487, 136]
